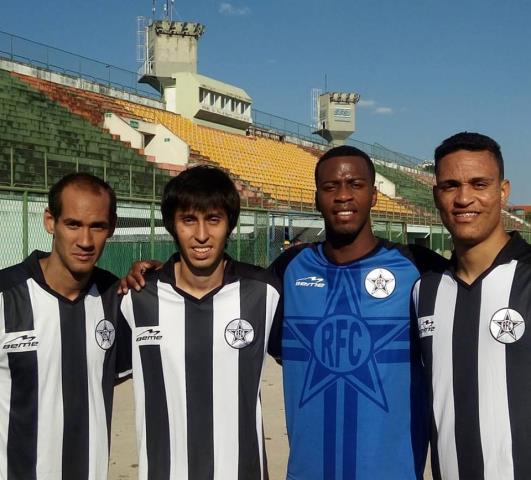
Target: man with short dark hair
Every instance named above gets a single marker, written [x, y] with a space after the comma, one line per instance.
[200, 334]
[59, 338]
[472, 322]
[352, 380]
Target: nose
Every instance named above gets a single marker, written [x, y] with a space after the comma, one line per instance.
[343, 193]
[85, 239]
[464, 195]
[201, 232]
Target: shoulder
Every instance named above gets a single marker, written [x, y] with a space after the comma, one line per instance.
[19, 273]
[252, 272]
[424, 259]
[278, 267]
[12, 276]
[104, 279]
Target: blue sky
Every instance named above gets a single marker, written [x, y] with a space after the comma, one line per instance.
[425, 69]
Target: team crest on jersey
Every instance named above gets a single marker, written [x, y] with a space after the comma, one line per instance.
[105, 334]
[426, 326]
[21, 342]
[507, 325]
[239, 333]
[380, 283]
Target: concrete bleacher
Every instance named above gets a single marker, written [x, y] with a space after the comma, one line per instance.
[45, 137]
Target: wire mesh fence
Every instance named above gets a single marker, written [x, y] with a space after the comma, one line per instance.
[259, 237]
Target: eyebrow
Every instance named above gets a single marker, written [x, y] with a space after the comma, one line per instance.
[471, 180]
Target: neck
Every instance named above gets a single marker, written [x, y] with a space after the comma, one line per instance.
[344, 249]
[62, 280]
[198, 283]
[473, 260]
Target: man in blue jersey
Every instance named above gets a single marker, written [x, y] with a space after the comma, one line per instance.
[352, 380]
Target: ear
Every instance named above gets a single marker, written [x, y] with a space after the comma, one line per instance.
[374, 196]
[505, 191]
[49, 221]
[112, 226]
[435, 197]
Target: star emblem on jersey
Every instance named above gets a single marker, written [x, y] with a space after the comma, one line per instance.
[344, 344]
[380, 283]
[507, 325]
[239, 333]
[105, 334]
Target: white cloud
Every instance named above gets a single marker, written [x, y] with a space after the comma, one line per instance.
[383, 111]
[226, 8]
[366, 103]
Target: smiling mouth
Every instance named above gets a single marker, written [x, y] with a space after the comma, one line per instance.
[345, 213]
[465, 217]
[201, 252]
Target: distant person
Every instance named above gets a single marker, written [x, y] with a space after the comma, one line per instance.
[200, 333]
[354, 395]
[472, 321]
[59, 339]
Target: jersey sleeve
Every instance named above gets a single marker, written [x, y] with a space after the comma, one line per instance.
[277, 268]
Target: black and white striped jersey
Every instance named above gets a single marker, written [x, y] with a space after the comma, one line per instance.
[476, 347]
[197, 366]
[57, 370]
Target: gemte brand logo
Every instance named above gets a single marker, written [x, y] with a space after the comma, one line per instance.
[150, 335]
[426, 326]
[313, 281]
[22, 343]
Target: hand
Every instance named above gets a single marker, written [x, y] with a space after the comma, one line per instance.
[135, 275]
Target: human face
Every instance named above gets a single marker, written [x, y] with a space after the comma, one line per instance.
[201, 237]
[345, 195]
[81, 230]
[470, 195]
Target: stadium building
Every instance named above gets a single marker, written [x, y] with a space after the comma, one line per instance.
[60, 112]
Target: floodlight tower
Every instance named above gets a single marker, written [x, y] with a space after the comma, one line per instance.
[171, 47]
[336, 113]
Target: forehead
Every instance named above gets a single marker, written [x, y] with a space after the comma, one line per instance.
[82, 202]
[197, 212]
[464, 164]
[337, 167]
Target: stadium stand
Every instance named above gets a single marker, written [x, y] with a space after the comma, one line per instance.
[47, 138]
[258, 162]
[66, 122]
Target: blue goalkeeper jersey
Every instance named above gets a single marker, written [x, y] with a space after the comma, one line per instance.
[353, 388]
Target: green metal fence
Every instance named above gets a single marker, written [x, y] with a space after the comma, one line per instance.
[258, 238]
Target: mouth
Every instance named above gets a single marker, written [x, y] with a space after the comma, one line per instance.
[201, 253]
[465, 217]
[345, 214]
[84, 257]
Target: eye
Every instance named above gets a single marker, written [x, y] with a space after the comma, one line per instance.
[214, 220]
[447, 187]
[481, 185]
[328, 187]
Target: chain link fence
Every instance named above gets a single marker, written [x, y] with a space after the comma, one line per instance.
[259, 237]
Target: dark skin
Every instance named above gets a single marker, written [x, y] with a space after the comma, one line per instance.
[345, 195]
